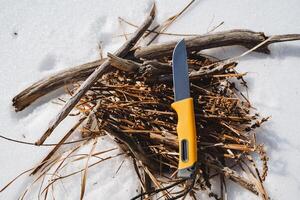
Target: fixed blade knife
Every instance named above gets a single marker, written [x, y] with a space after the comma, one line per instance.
[184, 107]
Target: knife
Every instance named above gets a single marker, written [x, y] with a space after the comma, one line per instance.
[184, 107]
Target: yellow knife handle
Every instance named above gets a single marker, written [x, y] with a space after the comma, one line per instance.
[186, 130]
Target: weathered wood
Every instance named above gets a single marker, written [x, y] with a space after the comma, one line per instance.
[81, 72]
[99, 71]
[241, 37]
[53, 82]
[196, 75]
[148, 68]
[123, 64]
[71, 75]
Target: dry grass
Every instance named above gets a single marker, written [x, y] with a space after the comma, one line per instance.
[136, 110]
[132, 102]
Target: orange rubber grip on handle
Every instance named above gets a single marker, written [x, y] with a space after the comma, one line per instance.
[186, 130]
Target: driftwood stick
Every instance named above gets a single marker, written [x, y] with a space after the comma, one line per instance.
[99, 71]
[150, 68]
[123, 64]
[53, 82]
[246, 38]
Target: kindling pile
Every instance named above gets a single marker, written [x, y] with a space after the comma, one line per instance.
[128, 94]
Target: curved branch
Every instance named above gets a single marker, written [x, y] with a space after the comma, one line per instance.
[53, 82]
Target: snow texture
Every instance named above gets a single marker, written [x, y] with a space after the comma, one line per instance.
[40, 37]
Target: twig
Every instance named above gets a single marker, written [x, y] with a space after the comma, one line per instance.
[153, 31]
[84, 175]
[43, 145]
[168, 22]
[158, 190]
[57, 146]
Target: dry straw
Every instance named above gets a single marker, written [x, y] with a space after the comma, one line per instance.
[128, 96]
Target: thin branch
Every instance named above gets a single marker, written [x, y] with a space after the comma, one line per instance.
[58, 146]
[168, 22]
[44, 145]
[153, 31]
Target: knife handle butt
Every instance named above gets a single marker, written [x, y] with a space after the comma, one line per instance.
[186, 130]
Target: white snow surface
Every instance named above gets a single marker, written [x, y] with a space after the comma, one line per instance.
[40, 37]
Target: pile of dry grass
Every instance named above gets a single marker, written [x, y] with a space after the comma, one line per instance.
[136, 111]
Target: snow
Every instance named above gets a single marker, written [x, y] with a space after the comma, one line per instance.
[42, 37]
